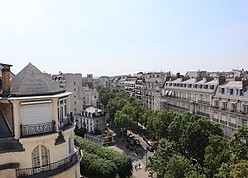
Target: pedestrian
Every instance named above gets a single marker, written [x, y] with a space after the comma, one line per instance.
[139, 165]
[136, 166]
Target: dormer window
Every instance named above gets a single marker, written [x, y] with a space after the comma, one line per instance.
[195, 86]
[221, 90]
[205, 86]
[211, 87]
[239, 92]
[200, 86]
[189, 85]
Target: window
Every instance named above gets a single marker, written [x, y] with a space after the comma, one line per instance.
[75, 102]
[234, 107]
[224, 105]
[190, 85]
[74, 89]
[74, 83]
[229, 91]
[216, 103]
[215, 117]
[40, 156]
[233, 122]
[239, 92]
[223, 119]
[211, 87]
[245, 109]
[205, 86]
[244, 121]
[221, 90]
[69, 145]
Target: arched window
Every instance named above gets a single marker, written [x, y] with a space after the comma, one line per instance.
[40, 156]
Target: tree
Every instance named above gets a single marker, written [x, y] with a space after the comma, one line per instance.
[100, 161]
[195, 137]
[179, 167]
[105, 94]
[239, 144]
[124, 118]
[233, 170]
[216, 153]
[158, 161]
[114, 105]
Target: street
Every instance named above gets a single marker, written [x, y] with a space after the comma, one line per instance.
[139, 155]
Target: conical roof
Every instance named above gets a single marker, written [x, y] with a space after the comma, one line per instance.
[30, 81]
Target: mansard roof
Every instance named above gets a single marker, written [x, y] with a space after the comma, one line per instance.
[30, 81]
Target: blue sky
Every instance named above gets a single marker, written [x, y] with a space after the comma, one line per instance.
[114, 37]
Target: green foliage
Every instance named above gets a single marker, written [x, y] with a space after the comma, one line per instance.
[239, 144]
[167, 163]
[93, 166]
[122, 162]
[113, 106]
[178, 167]
[216, 153]
[105, 94]
[80, 132]
[157, 163]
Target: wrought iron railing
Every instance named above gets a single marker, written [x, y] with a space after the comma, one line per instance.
[202, 113]
[223, 122]
[36, 129]
[50, 169]
[232, 124]
[215, 120]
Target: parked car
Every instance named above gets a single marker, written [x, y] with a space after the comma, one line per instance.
[137, 142]
[149, 148]
[130, 137]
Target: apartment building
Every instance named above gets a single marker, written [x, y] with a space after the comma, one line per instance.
[230, 105]
[36, 127]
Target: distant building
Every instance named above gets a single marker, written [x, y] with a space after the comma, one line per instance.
[84, 94]
[91, 118]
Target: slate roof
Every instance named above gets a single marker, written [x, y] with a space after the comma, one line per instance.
[30, 81]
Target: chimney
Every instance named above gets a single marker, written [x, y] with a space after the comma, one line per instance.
[5, 79]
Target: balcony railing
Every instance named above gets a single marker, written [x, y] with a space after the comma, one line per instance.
[36, 129]
[66, 122]
[202, 113]
[232, 124]
[223, 122]
[203, 102]
[50, 169]
[215, 120]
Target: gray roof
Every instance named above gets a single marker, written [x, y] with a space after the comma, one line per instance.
[31, 81]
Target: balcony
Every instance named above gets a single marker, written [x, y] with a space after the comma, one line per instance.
[66, 122]
[203, 102]
[50, 169]
[232, 125]
[216, 120]
[202, 114]
[223, 122]
[215, 107]
[37, 129]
